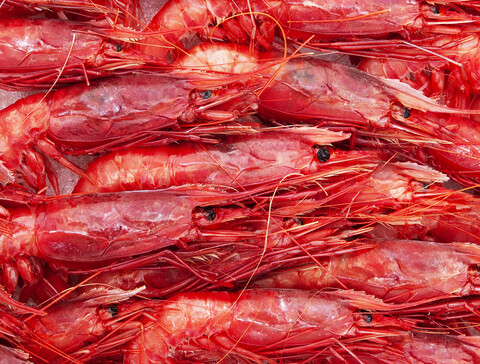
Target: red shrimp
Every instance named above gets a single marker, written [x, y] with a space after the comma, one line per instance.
[69, 326]
[13, 355]
[342, 96]
[254, 325]
[399, 201]
[425, 213]
[238, 161]
[435, 217]
[441, 348]
[255, 21]
[101, 229]
[390, 187]
[457, 153]
[120, 10]
[317, 89]
[438, 56]
[414, 347]
[210, 266]
[117, 111]
[37, 53]
[73, 229]
[393, 270]
[419, 75]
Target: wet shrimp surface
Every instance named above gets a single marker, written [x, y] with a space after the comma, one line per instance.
[239, 182]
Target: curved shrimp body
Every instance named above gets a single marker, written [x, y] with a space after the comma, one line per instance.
[112, 112]
[32, 51]
[393, 270]
[238, 161]
[259, 325]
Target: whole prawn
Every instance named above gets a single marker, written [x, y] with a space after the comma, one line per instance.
[239, 161]
[318, 89]
[241, 21]
[38, 53]
[254, 325]
[69, 231]
[113, 112]
[59, 334]
[393, 270]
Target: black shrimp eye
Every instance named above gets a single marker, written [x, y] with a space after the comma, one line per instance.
[210, 214]
[435, 10]
[368, 318]
[406, 113]
[299, 221]
[323, 154]
[206, 94]
[113, 309]
[118, 48]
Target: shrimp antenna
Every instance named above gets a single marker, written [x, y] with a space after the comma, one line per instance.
[342, 20]
[432, 53]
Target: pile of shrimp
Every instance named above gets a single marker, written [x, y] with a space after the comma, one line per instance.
[239, 181]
